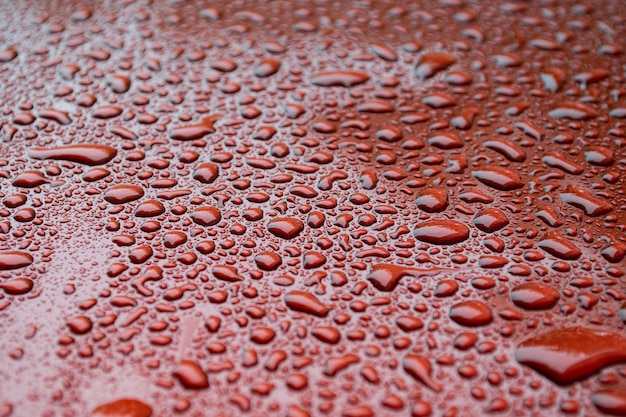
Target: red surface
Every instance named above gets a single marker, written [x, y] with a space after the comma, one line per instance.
[333, 208]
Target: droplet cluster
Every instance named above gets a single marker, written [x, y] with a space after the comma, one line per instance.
[368, 208]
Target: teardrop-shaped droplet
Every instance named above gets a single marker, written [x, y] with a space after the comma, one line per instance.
[191, 375]
[420, 368]
[305, 302]
[14, 260]
[17, 286]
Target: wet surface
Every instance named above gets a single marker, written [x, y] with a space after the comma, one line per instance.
[301, 209]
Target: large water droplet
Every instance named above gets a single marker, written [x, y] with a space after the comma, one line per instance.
[534, 296]
[125, 407]
[441, 232]
[306, 303]
[82, 154]
[471, 313]
[339, 78]
[286, 228]
[570, 354]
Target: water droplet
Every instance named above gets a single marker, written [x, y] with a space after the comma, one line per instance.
[125, 407]
[610, 401]
[441, 232]
[386, 277]
[206, 216]
[305, 302]
[150, 208]
[191, 375]
[579, 198]
[471, 313]
[499, 178]
[268, 261]
[534, 296]
[17, 286]
[432, 200]
[571, 354]
[267, 67]
[490, 220]
[559, 246]
[509, 150]
[286, 228]
[445, 141]
[195, 131]
[573, 111]
[80, 325]
[123, 193]
[14, 260]
[430, 64]
[420, 368]
[339, 78]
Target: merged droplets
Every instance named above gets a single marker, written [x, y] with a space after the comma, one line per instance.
[194, 131]
[82, 154]
[420, 368]
[570, 354]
